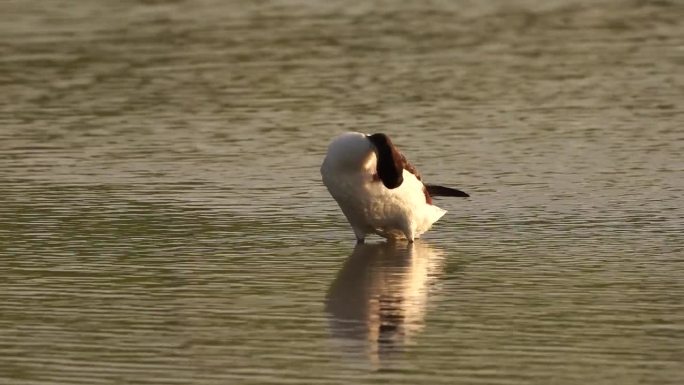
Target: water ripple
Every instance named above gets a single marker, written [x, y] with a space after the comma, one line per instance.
[162, 219]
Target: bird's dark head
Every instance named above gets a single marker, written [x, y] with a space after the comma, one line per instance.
[390, 162]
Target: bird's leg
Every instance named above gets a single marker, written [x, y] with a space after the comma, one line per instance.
[409, 232]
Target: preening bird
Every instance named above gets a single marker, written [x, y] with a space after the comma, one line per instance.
[378, 190]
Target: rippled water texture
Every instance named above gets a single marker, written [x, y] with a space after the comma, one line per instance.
[162, 218]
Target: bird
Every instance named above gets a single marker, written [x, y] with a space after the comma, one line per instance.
[378, 190]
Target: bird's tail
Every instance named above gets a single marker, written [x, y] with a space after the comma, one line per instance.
[441, 191]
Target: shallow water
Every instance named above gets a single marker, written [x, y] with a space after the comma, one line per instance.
[162, 218]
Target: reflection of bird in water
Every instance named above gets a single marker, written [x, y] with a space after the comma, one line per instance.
[377, 301]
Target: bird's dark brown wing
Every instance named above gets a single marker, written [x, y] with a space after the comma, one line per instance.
[431, 190]
[392, 163]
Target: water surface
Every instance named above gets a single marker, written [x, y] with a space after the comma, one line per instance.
[162, 219]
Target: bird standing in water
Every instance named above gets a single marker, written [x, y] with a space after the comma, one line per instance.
[378, 190]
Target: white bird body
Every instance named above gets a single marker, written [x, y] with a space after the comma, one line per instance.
[350, 172]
